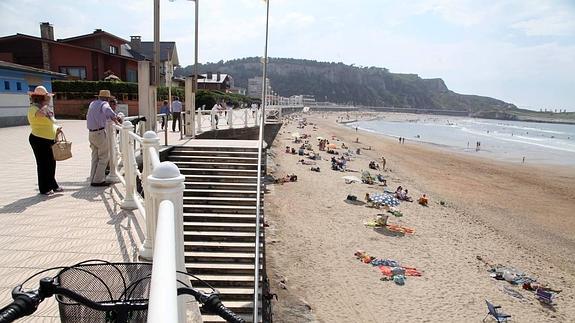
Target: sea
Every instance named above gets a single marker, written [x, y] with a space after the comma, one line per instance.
[512, 141]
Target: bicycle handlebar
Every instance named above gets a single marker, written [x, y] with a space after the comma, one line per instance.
[26, 303]
[211, 302]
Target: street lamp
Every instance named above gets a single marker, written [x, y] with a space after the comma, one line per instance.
[195, 79]
[259, 181]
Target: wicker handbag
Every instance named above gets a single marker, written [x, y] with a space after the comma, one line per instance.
[62, 149]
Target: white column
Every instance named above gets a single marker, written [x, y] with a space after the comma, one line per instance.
[199, 121]
[129, 167]
[166, 183]
[152, 113]
[143, 88]
[113, 151]
[150, 140]
[190, 107]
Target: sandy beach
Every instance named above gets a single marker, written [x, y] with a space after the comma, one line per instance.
[519, 216]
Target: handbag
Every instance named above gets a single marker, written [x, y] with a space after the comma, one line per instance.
[62, 149]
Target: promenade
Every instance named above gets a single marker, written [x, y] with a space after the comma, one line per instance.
[83, 222]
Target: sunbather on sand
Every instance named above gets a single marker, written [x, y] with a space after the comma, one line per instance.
[306, 162]
[423, 200]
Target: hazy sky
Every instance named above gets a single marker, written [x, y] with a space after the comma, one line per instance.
[520, 51]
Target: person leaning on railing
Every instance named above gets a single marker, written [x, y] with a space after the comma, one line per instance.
[99, 112]
[43, 136]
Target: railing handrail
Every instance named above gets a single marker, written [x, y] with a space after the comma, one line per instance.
[163, 185]
[163, 303]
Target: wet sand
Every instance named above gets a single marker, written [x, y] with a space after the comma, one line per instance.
[516, 215]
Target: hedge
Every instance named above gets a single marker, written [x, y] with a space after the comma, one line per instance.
[129, 91]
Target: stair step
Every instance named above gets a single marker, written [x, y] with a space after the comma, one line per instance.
[215, 165]
[219, 198]
[221, 193]
[199, 268]
[223, 207]
[220, 226]
[219, 217]
[217, 319]
[221, 178]
[172, 157]
[221, 255]
[187, 150]
[223, 225]
[220, 183]
[220, 236]
[243, 307]
[220, 246]
[222, 170]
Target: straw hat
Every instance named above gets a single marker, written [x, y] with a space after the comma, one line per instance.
[40, 91]
[105, 94]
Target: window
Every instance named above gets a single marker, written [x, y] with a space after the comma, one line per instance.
[7, 85]
[18, 86]
[113, 49]
[132, 75]
[75, 71]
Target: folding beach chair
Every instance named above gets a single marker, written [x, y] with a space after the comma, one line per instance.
[499, 316]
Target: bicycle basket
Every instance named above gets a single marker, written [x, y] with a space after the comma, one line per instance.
[104, 282]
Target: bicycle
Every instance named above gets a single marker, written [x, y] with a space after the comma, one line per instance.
[101, 291]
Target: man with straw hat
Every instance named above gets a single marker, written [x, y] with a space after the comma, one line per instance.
[99, 113]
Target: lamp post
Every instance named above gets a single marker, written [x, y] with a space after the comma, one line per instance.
[259, 181]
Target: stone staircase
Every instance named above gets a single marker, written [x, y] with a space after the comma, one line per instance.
[220, 219]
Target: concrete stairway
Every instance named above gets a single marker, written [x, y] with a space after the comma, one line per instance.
[220, 219]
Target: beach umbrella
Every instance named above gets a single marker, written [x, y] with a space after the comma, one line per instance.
[295, 135]
[351, 179]
[384, 199]
[319, 138]
[332, 146]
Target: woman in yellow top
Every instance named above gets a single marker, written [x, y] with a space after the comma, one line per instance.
[43, 136]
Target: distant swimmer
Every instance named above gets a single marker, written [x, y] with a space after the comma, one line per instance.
[523, 161]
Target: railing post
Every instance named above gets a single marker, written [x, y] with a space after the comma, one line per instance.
[113, 151]
[129, 203]
[199, 122]
[230, 118]
[245, 118]
[150, 140]
[257, 121]
[213, 121]
[166, 183]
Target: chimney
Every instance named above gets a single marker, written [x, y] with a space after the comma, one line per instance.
[136, 43]
[218, 77]
[46, 31]
[209, 76]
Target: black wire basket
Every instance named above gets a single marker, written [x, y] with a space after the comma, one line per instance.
[104, 282]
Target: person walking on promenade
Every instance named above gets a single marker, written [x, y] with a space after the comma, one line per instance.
[176, 114]
[215, 113]
[42, 137]
[165, 109]
[99, 113]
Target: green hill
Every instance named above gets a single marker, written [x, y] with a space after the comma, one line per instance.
[348, 84]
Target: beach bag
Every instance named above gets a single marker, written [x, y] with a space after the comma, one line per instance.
[62, 149]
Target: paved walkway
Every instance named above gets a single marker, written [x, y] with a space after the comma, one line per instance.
[83, 222]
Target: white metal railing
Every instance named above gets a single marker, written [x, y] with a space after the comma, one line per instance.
[164, 288]
[161, 206]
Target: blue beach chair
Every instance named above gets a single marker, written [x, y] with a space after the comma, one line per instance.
[499, 316]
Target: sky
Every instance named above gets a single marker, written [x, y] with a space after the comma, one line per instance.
[519, 51]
